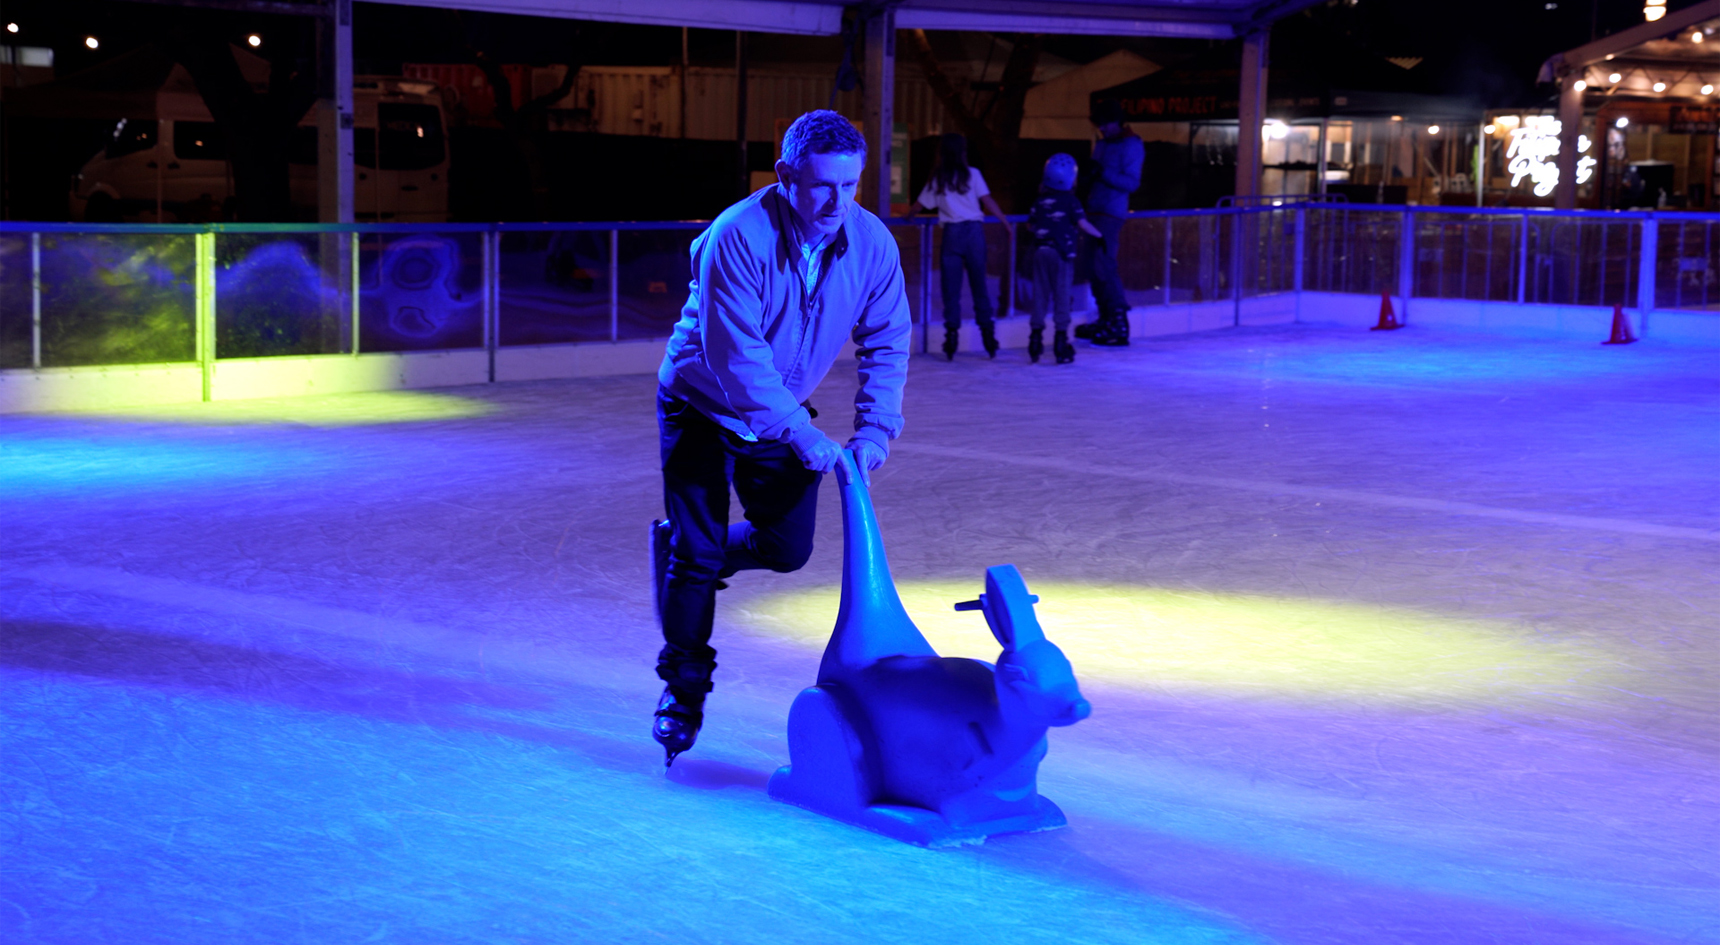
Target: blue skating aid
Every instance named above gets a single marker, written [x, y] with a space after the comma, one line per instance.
[932, 750]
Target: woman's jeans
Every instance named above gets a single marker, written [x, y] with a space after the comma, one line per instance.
[964, 249]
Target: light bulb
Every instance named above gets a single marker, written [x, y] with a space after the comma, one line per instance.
[1433, 129]
[91, 42]
[1489, 129]
[254, 40]
[1579, 85]
[1614, 78]
[1660, 86]
[1708, 90]
[1622, 122]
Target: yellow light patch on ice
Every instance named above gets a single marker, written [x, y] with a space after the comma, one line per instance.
[334, 410]
[1157, 639]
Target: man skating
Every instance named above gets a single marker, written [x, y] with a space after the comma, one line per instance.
[781, 280]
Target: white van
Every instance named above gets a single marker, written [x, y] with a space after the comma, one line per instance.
[176, 171]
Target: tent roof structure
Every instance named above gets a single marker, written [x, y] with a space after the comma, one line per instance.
[1191, 19]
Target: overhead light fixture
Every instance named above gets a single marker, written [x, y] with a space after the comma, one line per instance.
[1433, 129]
[254, 40]
[1622, 122]
[1489, 129]
[1660, 86]
[11, 27]
[1696, 37]
[1708, 90]
[1579, 85]
[1653, 10]
[1615, 78]
[91, 42]
[1397, 118]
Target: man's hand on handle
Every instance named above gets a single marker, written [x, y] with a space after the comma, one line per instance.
[870, 447]
[817, 452]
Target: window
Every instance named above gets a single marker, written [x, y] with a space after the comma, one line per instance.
[132, 135]
[201, 140]
[411, 138]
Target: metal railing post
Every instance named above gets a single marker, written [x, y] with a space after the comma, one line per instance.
[925, 287]
[355, 300]
[487, 242]
[1406, 262]
[1647, 265]
[36, 300]
[1523, 262]
[1301, 248]
[1236, 266]
[614, 285]
[204, 336]
[1168, 232]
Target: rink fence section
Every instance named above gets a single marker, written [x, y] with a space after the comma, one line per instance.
[129, 314]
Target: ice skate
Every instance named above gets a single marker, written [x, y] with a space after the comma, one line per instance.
[949, 344]
[1036, 345]
[677, 721]
[1112, 330]
[1062, 348]
[1085, 329]
[988, 337]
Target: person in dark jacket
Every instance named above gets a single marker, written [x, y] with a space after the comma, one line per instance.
[1117, 157]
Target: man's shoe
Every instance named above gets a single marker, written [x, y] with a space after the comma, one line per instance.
[677, 721]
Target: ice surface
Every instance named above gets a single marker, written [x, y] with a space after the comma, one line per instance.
[1405, 638]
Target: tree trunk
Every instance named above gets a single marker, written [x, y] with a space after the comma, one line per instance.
[993, 135]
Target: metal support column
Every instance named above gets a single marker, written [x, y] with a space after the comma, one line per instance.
[1647, 262]
[1251, 114]
[334, 115]
[204, 332]
[614, 285]
[880, 89]
[35, 300]
[1570, 123]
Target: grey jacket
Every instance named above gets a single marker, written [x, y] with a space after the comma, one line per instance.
[1119, 160]
[754, 340]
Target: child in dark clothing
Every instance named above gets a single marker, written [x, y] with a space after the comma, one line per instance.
[1055, 217]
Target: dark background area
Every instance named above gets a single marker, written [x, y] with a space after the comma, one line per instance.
[1488, 50]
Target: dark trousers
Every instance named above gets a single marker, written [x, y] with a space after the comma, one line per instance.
[779, 497]
[964, 252]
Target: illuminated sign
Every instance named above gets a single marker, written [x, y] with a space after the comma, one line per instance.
[1534, 151]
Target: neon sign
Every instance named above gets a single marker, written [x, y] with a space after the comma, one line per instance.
[1534, 151]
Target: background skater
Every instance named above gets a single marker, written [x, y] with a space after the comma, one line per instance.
[960, 195]
[1053, 221]
[780, 281]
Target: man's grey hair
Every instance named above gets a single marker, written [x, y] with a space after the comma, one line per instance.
[820, 132]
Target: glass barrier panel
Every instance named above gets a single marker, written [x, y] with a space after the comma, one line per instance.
[1687, 272]
[420, 291]
[908, 237]
[554, 287]
[1268, 250]
[1141, 255]
[1351, 250]
[1574, 261]
[653, 272]
[1200, 258]
[117, 298]
[15, 317]
[1467, 256]
[999, 287]
[282, 294]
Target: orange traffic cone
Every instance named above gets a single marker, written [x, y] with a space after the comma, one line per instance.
[1388, 318]
[1620, 328]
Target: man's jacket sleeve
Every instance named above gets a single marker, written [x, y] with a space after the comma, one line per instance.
[731, 328]
[882, 334]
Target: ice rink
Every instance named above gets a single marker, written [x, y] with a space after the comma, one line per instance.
[1390, 638]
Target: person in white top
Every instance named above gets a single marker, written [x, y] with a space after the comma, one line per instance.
[958, 192]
